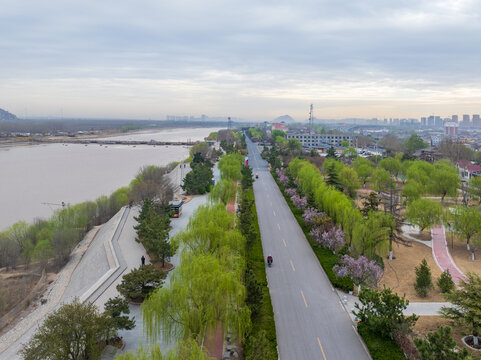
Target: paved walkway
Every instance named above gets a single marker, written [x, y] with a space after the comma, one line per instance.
[441, 254]
[418, 308]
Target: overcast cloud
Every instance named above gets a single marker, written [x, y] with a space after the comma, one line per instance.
[251, 59]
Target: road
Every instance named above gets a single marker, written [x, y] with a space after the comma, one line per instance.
[311, 322]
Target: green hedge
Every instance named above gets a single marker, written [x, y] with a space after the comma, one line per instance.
[326, 257]
[380, 348]
[255, 261]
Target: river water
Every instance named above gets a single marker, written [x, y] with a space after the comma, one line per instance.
[34, 179]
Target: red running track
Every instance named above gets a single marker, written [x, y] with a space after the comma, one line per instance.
[441, 254]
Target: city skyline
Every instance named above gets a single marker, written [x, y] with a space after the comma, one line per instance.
[256, 61]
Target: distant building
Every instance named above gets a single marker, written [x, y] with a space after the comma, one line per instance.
[467, 169]
[435, 140]
[431, 121]
[476, 121]
[466, 121]
[454, 118]
[280, 126]
[438, 122]
[451, 129]
[424, 122]
[321, 140]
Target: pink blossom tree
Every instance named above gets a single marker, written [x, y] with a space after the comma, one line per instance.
[360, 270]
[290, 192]
[299, 202]
[333, 239]
[282, 177]
[311, 216]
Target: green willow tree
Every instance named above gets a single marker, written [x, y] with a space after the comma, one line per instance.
[202, 294]
[424, 213]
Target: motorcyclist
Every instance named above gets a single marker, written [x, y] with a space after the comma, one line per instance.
[269, 259]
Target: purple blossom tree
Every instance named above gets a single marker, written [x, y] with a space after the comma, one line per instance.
[290, 192]
[299, 202]
[282, 177]
[360, 270]
[316, 234]
[333, 239]
[311, 216]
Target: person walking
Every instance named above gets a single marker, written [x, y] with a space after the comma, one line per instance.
[143, 260]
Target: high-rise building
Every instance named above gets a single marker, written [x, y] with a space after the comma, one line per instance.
[466, 121]
[476, 121]
[424, 122]
[451, 129]
[431, 121]
[454, 118]
[438, 122]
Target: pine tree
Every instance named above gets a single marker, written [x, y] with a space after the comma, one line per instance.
[424, 281]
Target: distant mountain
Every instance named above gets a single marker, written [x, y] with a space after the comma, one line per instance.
[286, 118]
[5, 115]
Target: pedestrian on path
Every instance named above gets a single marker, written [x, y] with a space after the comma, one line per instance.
[143, 260]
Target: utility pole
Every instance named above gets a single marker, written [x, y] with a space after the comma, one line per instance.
[311, 119]
[229, 123]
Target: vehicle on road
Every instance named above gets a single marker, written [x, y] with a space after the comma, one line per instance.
[269, 260]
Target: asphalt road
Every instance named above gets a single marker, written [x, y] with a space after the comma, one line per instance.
[311, 322]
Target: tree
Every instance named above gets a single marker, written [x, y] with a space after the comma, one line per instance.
[371, 237]
[113, 309]
[198, 180]
[360, 270]
[415, 143]
[350, 152]
[413, 190]
[424, 281]
[331, 153]
[332, 169]
[254, 293]
[445, 179]
[349, 180]
[258, 347]
[43, 252]
[382, 311]
[141, 282]
[440, 346]
[364, 169]
[467, 222]
[475, 188]
[73, 332]
[467, 307]
[445, 282]
[370, 203]
[200, 295]
[294, 145]
[381, 180]
[247, 179]
[424, 213]
[391, 165]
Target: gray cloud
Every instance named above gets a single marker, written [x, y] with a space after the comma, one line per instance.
[272, 54]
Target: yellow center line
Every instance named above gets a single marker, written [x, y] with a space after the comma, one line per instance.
[284, 241]
[322, 350]
[304, 298]
[292, 265]
[278, 226]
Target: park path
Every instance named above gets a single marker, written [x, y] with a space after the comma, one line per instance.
[442, 256]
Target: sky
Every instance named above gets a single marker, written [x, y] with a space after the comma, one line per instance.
[255, 60]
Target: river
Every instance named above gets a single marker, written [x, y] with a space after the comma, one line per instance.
[36, 178]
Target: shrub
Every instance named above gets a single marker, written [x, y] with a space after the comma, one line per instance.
[380, 348]
[424, 281]
[445, 282]
[139, 283]
[360, 270]
[299, 202]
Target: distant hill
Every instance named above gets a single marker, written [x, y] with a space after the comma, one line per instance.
[5, 115]
[286, 118]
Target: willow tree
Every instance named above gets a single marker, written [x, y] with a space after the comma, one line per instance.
[231, 166]
[203, 292]
[371, 236]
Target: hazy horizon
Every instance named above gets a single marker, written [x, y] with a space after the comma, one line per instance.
[256, 61]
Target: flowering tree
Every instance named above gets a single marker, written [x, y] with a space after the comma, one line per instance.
[299, 202]
[316, 234]
[281, 175]
[290, 192]
[333, 239]
[360, 270]
[311, 216]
